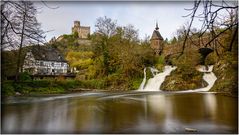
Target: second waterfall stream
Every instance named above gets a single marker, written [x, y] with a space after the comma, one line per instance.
[153, 84]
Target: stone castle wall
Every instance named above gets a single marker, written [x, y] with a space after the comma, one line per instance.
[83, 31]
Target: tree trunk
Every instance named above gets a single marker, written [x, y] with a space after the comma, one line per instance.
[233, 38]
[20, 48]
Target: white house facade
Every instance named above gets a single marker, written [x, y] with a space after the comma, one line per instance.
[46, 61]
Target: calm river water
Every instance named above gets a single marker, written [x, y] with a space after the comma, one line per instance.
[138, 112]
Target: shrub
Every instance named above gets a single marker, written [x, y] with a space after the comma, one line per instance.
[48, 90]
[135, 83]
[160, 63]
[24, 76]
[191, 58]
[7, 88]
[211, 59]
[93, 84]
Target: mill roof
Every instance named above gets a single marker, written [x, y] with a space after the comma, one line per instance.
[156, 35]
[47, 53]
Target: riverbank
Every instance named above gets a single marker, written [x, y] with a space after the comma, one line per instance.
[58, 90]
[53, 86]
[33, 87]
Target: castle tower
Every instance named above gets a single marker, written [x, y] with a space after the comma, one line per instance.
[83, 31]
[156, 41]
[77, 23]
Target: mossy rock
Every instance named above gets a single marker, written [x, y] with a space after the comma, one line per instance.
[226, 70]
[183, 80]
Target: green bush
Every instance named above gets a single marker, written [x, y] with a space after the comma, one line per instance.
[40, 83]
[160, 63]
[187, 60]
[136, 83]
[24, 76]
[7, 89]
[48, 90]
[211, 59]
[97, 84]
[148, 74]
[68, 84]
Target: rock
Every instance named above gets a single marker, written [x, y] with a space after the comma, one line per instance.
[190, 129]
[18, 94]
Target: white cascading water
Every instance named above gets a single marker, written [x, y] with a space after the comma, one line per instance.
[141, 87]
[208, 76]
[154, 71]
[154, 83]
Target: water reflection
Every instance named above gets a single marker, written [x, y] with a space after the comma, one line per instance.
[155, 113]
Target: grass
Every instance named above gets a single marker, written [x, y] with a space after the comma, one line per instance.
[38, 87]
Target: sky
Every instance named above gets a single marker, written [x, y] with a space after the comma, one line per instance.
[143, 15]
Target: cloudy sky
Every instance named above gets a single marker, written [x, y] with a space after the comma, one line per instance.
[142, 15]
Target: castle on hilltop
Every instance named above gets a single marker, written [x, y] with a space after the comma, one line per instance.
[83, 31]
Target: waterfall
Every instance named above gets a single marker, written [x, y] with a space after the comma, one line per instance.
[154, 83]
[154, 71]
[202, 68]
[208, 76]
[144, 81]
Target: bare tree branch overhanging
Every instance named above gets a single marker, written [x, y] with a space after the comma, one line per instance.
[196, 5]
[19, 27]
[212, 20]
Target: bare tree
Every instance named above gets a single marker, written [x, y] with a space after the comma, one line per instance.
[130, 33]
[211, 19]
[105, 26]
[21, 27]
[6, 24]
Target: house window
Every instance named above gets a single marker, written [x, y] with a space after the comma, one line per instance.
[41, 63]
[52, 64]
[62, 64]
[37, 63]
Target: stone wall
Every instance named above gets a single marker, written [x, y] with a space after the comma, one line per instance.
[83, 31]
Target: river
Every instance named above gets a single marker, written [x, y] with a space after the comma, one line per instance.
[128, 112]
[146, 110]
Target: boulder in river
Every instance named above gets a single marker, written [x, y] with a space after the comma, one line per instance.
[18, 94]
[190, 129]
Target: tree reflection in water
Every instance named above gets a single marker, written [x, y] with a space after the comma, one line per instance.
[142, 113]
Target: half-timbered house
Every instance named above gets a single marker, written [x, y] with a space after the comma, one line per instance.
[44, 60]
